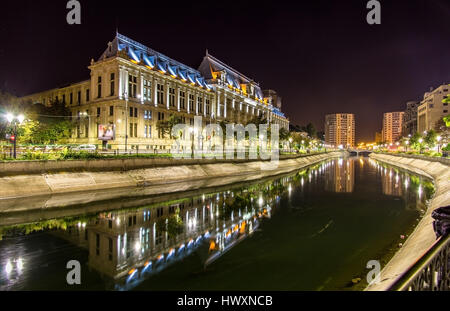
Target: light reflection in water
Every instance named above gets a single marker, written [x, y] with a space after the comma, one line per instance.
[130, 246]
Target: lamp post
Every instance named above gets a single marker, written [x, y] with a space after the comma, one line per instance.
[14, 120]
[439, 143]
[85, 114]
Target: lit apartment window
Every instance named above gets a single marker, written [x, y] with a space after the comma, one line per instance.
[147, 115]
[171, 97]
[132, 86]
[148, 131]
[160, 94]
[147, 90]
[112, 86]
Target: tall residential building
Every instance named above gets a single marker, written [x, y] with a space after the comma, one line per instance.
[432, 109]
[132, 87]
[410, 118]
[340, 129]
[392, 126]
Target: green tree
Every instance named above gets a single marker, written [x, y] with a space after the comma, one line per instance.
[415, 141]
[431, 139]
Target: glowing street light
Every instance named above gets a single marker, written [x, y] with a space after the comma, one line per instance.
[14, 120]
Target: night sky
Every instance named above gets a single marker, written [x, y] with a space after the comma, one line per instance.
[321, 56]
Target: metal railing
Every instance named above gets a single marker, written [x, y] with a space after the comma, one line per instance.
[431, 272]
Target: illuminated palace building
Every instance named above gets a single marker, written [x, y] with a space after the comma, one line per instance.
[132, 87]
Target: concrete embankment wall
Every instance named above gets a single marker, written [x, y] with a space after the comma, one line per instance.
[423, 236]
[75, 176]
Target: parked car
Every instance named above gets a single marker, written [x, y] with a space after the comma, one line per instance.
[88, 148]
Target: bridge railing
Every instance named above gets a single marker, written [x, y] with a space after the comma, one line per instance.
[431, 272]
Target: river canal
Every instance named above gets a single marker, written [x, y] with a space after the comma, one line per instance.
[314, 229]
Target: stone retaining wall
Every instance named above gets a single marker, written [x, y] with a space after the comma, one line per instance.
[26, 185]
[423, 236]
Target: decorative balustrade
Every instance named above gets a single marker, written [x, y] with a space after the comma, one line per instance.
[430, 273]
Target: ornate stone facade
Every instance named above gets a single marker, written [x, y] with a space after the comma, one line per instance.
[133, 87]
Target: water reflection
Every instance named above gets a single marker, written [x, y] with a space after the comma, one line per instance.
[341, 176]
[130, 246]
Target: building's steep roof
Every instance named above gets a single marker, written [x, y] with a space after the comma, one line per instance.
[211, 65]
[140, 53]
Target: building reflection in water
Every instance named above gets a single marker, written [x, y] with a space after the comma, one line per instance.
[398, 183]
[128, 246]
[340, 176]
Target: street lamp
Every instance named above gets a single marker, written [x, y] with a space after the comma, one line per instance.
[15, 120]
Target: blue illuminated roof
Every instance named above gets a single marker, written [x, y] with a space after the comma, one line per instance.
[139, 52]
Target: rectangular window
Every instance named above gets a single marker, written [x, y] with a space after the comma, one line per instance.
[145, 135]
[147, 115]
[113, 76]
[79, 98]
[207, 106]
[111, 110]
[64, 99]
[200, 105]
[147, 90]
[71, 98]
[131, 129]
[132, 86]
[135, 130]
[99, 87]
[131, 112]
[160, 94]
[171, 97]
[135, 112]
[191, 102]
[182, 100]
[149, 135]
[87, 95]
[98, 112]
[160, 116]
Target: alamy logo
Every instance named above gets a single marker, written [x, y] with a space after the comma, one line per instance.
[210, 142]
[374, 15]
[74, 275]
[74, 15]
[374, 275]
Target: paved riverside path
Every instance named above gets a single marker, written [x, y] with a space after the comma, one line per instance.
[423, 236]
